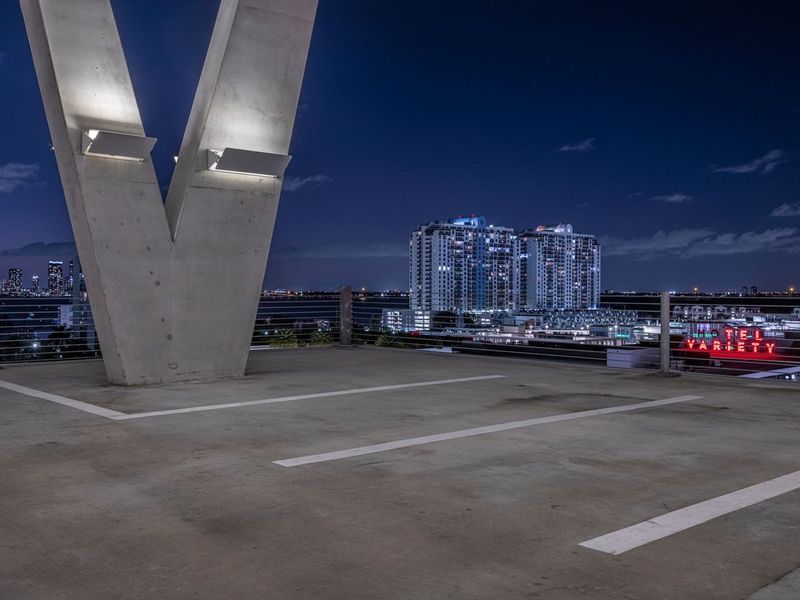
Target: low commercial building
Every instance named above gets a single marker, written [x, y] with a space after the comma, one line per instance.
[396, 320]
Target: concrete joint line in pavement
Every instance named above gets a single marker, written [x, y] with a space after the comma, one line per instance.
[120, 416]
[472, 432]
[691, 516]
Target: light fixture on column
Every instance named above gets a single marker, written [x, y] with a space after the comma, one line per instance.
[248, 162]
[122, 146]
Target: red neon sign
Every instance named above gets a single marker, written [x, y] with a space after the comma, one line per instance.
[736, 342]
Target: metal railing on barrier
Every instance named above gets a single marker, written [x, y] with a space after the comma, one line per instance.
[749, 336]
[34, 329]
[730, 334]
[47, 328]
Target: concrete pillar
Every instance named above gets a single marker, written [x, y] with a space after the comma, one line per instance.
[665, 332]
[346, 316]
[174, 289]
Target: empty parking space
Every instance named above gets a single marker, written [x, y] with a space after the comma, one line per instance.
[424, 478]
[473, 432]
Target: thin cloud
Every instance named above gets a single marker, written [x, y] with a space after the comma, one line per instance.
[42, 249]
[294, 184]
[677, 198]
[345, 250]
[14, 175]
[586, 145]
[765, 164]
[786, 210]
[3, 57]
[692, 243]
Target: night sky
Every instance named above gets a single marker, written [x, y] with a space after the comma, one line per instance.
[670, 131]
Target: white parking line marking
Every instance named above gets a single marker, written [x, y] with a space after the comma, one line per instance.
[84, 406]
[691, 516]
[382, 388]
[120, 416]
[464, 433]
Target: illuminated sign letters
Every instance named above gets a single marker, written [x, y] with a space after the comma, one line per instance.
[732, 341]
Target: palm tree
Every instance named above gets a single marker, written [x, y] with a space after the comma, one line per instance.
[283, 338]
[320, 338]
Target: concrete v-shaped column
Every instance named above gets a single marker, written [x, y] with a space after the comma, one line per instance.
[174, 290]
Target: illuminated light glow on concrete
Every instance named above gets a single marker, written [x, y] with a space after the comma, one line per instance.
[119, 416]
[692, 516]
[84, 406]
[474, 431]
[174, 287]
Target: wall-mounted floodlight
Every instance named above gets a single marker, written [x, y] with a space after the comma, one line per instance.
[247, 162]
[122, 146]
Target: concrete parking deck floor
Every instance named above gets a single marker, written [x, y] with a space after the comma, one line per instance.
[192, 504]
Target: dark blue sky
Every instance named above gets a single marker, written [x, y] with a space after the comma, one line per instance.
[668, 130]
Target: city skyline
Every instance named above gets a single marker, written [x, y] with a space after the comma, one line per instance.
[673, 143]
[31, 279]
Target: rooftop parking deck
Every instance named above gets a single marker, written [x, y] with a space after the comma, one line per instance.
[373, 473]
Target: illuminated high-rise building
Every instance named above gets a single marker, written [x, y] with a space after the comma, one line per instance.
[70, 277]
[464, 265]
[559, 269]
[55, 277]
[14, 280]
[35, 287]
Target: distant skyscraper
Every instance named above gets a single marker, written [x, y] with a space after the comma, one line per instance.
[14, 280]
[55, 277]
[35, 288]
[559, 269]
[71, 277]
[463, 265]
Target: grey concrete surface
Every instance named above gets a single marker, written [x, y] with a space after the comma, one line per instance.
[192, 505]
[174, 290]
[786, 588]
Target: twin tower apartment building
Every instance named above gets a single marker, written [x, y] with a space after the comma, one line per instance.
[464, 265]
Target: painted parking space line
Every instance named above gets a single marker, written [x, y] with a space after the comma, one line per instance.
[120, 416]
[353, 392]
[474, 431]
[83, 406]
[691, 516]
